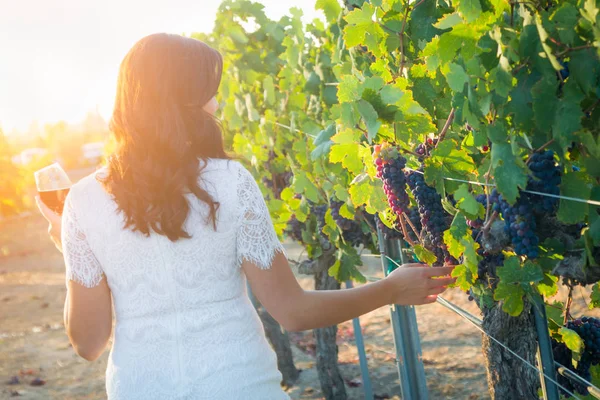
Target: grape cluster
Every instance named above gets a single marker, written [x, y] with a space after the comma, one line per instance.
[390, 168]
[545, 178]
[423, 149]
[564, 357]
[486, 268]
[294, 229]
[415, 218]
[588, 329]
[434, 219]
[319, 213]
[279, 180]
[519, 224]
[343, 223]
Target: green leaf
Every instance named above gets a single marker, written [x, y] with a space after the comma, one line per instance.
[565, 19]
[370, 194]
[555, 314]
[467, 203]
[349, 89]
[511, 297]
[545, 102]
[513, 272]
[269, 90]
[347, 154]
[448, 21]
[574, 184]
[543, 37]
[567, 119]
[369, 115]
[571, 339]
[595, 297]
[391, 94]
[456, 77]
[447, 160]
[292, 52]
[331, 8]
[509, 177]
[323, 142]
[455, 236]
[345, 267]
[469, 9]
[424, 255]
[346, 212]
[303, 185]
[496, 132]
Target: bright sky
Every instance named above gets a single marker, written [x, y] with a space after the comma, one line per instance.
[59, 59]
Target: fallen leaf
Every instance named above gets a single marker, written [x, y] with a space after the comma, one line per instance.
[14, 380]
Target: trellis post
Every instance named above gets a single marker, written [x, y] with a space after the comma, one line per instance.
[544, 354]
[411, 371]
[362, 355]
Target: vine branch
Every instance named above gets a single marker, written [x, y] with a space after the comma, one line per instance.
[446, 127]
[576, 48]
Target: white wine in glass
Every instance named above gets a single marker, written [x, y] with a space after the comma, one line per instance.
[53, 185]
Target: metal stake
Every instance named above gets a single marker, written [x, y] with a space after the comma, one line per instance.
[362, 355]
[411, 371]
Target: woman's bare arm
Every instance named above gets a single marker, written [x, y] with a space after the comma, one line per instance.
[296, 309]
[88, 318]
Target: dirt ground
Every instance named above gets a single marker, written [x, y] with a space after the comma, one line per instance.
[33, 343]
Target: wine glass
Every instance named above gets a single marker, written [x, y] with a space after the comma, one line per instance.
[53, 185]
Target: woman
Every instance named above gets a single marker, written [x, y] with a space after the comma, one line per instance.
[171, 229]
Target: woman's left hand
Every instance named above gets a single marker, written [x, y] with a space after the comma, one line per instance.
[54, 222]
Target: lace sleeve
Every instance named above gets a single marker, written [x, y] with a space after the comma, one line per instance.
[80, 262]
[257, 241]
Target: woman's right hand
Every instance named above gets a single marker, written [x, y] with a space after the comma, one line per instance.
[414, 284]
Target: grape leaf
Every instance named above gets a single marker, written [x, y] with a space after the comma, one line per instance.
[511, 297]
[574, 184]
[369, 115]
[303, 185]
[456, 77]
[567, 119]
[447, 160]
[470, 10]
[595, 297]
[467, 203]
[544, 102]
[565, 18]
[571, 339]
[543, 37]
[323, 142]
[448, 21]
[391, 94]
[269, 90]
[513, 272]
[424, 255]
[453, 237]
[345, 267]
[349, 89]
[507, 174]
[331, 9]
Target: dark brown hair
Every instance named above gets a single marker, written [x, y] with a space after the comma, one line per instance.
[163, 135]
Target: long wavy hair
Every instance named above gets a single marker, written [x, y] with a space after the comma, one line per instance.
[164, 136]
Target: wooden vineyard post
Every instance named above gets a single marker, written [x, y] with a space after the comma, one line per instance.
[411, 371]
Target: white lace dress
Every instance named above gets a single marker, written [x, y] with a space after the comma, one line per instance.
[185, 327]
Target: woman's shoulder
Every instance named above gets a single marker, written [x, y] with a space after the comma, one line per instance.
[88, 186]
[227, 166]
